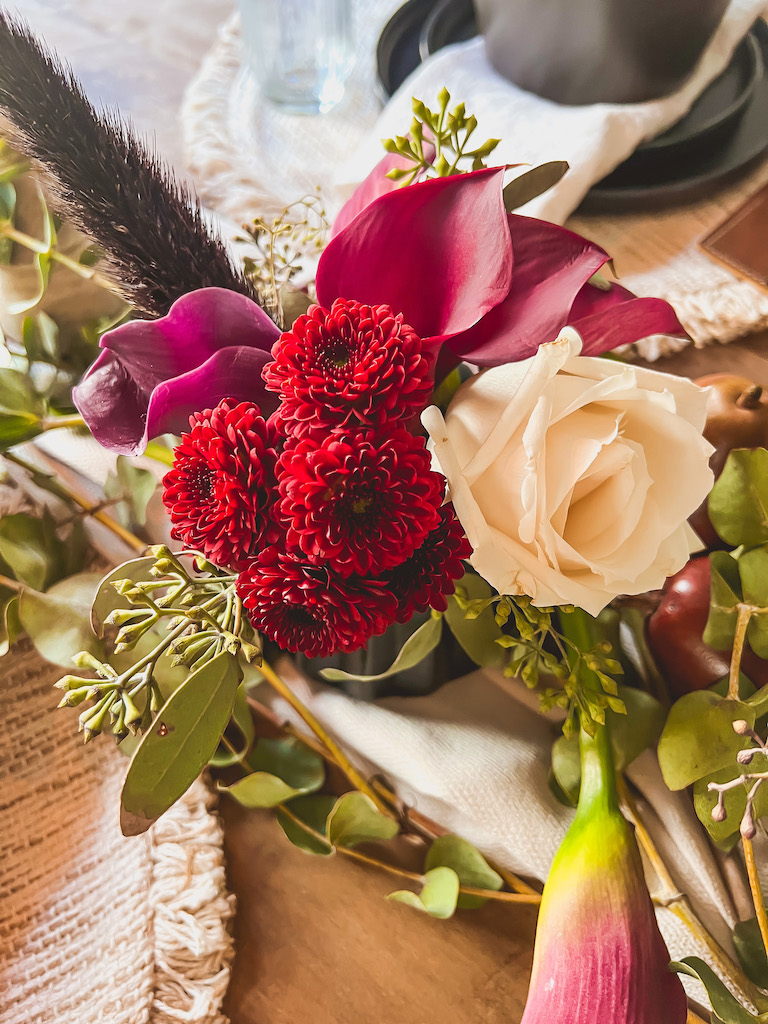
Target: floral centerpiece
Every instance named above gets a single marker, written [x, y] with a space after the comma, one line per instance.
[429, 444]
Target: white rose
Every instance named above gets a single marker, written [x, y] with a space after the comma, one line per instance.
[573, 477]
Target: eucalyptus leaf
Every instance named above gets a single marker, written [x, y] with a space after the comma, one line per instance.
[753, 570]
[725, 1005]
[243, 721]
[355, 819]
[416, 648]
[7, 214]
[478, 636]
[725, 596]
[107, 598]
[698, 737]
[726, 833]
[131, 488]
[40, 334]
[29, 546]
[260, 789]
[10, 627]
[179, 743]
[469, 864]
[738, 502]
[313, 810]
[58, 621]
[750, 950]
[438, 897]
[20, 408]
[42, 262]
[533, 183]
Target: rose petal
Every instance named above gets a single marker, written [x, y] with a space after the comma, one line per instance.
[140, 356]
[438, 252]
[551, 266]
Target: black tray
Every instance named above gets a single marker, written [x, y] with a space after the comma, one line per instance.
[723, 133]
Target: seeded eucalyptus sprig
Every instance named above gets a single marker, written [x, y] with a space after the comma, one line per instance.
[449, 132]
[186, 616]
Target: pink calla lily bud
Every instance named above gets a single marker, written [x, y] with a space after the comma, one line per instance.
[599, 956]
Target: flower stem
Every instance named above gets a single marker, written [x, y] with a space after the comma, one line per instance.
[757, 895]
[91, 509]
[744, 614]
[60, 422]
[333, 748]
[412, 876]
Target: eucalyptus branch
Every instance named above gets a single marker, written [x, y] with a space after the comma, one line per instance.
[7, 230]
[67, 494]
[754, 886]
[411, 876]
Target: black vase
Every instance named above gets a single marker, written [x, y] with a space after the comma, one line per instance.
[594, 51]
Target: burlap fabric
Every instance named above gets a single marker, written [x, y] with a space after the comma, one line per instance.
[95, 928]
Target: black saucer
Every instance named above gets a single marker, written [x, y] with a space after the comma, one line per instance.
[723, 133]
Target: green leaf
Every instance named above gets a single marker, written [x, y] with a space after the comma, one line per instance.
[41, 258]
[58, 621]
[438, 897]
[477, 636]
[415, 649]
[20, 408]
[750, 950]
[469, 864]
[725, 595]
[698, 737]
[726, 833]
[753, 570]
[179, 743]
[282, 770]
[7, 213]
[40, 335]
[313, 810]
[131, 488]
[727, 1007]
[243, 720]
[29, 546]
[107, 598]
[355, 819]
[10, 627]
[533, 183]
[566, 766]
[738, 503]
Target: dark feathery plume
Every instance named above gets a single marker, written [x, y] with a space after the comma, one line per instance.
[106, 183]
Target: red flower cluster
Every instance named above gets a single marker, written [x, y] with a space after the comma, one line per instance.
[330, 511]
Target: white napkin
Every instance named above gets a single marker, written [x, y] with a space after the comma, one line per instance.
[594, 139]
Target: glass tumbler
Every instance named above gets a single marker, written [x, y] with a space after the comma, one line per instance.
[299, 51]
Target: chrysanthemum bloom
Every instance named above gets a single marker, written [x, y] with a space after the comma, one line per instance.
[599, 957]
[350, 366]
[220, 492]
[308, 608]
[362, 502]
[427, 578]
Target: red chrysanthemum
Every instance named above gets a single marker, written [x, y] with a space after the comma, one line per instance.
[362, 503]
[352, 366]
[308, 608]
[426, 578]
[220, 493]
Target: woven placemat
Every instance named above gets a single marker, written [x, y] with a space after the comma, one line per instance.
[96, 928]
[246, 158]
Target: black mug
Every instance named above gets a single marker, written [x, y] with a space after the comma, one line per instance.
[593, 51]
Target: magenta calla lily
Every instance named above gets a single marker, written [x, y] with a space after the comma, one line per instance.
[599, 954]
[492, 286]
[152, 374]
